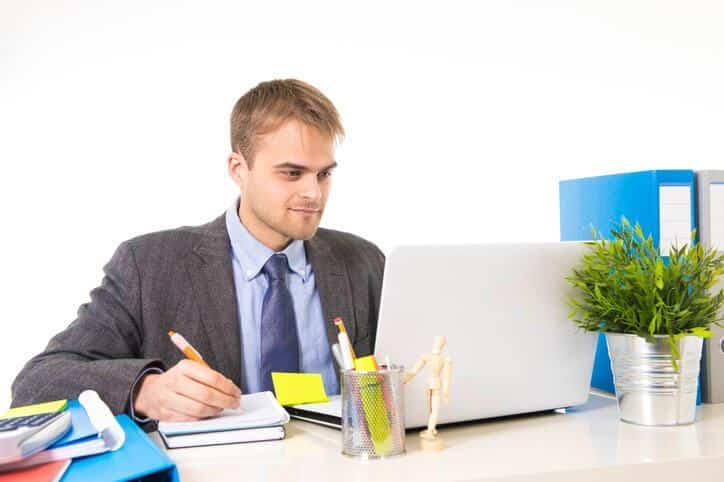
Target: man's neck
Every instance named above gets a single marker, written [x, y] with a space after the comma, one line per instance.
[262, 233]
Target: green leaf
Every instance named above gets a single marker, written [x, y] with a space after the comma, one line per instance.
[623, 285]
[659, 273]
[701, 331]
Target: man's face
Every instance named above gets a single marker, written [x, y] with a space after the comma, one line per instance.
[284, 192]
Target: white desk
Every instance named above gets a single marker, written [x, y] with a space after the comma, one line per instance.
[588, 443]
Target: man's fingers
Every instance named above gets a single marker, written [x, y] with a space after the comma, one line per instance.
[180, 406]
[209, 377]
[206, 394]
[169, 415]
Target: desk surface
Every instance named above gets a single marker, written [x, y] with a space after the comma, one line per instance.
[587, 443]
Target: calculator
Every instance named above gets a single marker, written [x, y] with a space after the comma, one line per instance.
[21, 437]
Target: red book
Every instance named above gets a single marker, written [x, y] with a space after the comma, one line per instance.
[50, 472]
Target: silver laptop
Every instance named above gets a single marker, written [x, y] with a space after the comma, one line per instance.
[503, 310]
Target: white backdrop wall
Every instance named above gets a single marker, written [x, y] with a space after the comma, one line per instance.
[461, 120]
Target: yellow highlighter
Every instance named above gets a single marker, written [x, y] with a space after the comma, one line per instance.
[373, 404]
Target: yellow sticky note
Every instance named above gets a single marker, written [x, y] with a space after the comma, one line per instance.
[47, 407]
[296, 388]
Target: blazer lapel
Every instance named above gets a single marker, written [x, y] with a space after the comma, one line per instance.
[333, 284]
[213, 282]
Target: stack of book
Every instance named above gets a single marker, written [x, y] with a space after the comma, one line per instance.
[259, 418]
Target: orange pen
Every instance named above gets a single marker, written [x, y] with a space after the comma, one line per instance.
[186, 347]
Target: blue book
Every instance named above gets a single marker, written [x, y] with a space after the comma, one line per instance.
[81, 428]
[662, 202]
[138, 458]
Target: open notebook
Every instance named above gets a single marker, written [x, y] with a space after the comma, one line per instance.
[259, 418]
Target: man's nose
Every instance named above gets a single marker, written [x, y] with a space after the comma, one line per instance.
[311, 189]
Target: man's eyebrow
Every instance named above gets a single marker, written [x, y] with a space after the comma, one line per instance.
[298, 167]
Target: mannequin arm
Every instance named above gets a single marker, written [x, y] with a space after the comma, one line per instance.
[446, 377]
[415, 370]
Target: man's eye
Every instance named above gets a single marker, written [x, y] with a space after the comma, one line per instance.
[325, 174]
[292, 173]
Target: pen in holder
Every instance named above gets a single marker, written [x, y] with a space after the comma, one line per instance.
[373, 421]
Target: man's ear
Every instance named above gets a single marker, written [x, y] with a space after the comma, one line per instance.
[238, 169]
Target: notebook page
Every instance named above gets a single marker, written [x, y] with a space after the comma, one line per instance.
[257, 410]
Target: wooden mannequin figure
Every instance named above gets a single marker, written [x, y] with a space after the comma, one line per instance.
[438, 365]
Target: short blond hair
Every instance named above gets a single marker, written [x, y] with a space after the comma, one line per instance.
[267, 106]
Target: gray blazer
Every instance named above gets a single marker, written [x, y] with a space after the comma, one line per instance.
[182, 280]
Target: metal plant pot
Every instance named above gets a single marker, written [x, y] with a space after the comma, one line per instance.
[648, 389]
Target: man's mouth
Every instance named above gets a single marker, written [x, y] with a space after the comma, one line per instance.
[306, 210]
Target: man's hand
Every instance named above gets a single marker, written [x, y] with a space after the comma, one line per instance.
[188, 391]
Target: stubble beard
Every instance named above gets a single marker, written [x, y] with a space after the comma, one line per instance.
[286, 229]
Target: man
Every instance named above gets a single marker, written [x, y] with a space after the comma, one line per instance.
[254, 291]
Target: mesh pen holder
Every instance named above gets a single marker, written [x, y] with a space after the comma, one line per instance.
[373, 418]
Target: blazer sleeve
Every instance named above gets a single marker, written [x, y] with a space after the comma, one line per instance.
[100, 350]
[366, 270]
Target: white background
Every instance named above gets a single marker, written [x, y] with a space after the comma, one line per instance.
[461, 120]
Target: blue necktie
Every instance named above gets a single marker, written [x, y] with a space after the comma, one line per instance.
[279, 341]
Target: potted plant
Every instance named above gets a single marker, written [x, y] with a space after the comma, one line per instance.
[654, 313]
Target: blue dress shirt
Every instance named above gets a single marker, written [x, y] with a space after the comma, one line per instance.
[248, 256]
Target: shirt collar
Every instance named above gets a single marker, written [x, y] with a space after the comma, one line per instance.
[253, 254]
